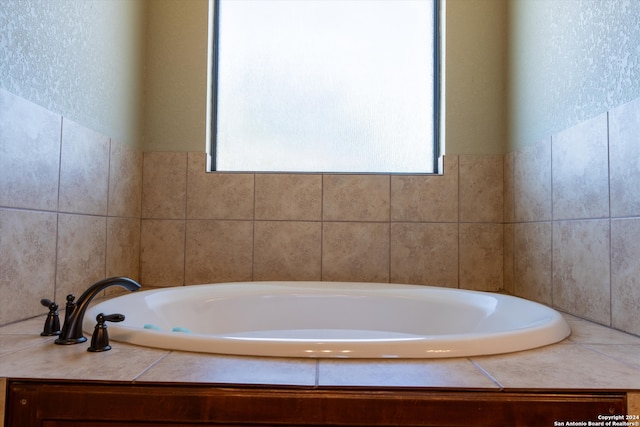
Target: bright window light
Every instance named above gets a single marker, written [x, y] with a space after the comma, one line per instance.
[325, 86]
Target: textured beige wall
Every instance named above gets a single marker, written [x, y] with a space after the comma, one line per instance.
[176, 82]
[475, 80]
[82, 59]
[570, 60]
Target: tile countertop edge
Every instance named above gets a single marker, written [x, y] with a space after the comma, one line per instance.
[594, 358]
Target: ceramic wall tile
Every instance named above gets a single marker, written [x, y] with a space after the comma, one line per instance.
[625, 275]
[27, 262]
[481, 189]
[356, 197]
[84, 170]
[81, 253]
[532, 261]
[217, 195]
[355, 251]
[29, 154]
[125, 181]
[508, 187]
[123, 247]
[508, 259]
[218, 251]
[481, 256]
[426, 197]
[581, 283]
[162, 252]
[287, 250]
[624, 152]
[425, 254]
[288, 197]
[164, 185]
[532, 183]
[580, 183]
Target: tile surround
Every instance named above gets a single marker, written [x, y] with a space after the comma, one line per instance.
[532, 176]
[484, 224]
[294, 197]
[123, 247]
[625, 271]
[355, 251]
[356, 197]
[125, 181]
[162, 249]
[27, 262]
[591, 188]
[624, 159]
[424, 198]
[84, 170]
[481, 256]
[218, 251]
[228, 195]
[312, 226]
[581, 271]
[532, 267]
[580, 171]
[29, 154]
[69, 207]
[499, 223]
[164, 185]
[425, 254]
[287, 250]
[481, 183]
[81, 259]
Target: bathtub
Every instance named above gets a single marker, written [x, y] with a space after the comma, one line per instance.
[329, 320]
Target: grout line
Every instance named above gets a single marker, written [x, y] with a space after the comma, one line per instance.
[140, 218]
[57, 212]
[151, 365]
[552, 222]
[184, 220]
[607, 355]
[253, 232]
[106, 214]
[458, 222]
[321, 223]
[486, 373]
[389, 233]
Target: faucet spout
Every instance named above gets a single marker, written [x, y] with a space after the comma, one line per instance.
[72, 329]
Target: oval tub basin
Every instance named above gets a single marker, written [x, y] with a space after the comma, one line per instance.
[330, 319]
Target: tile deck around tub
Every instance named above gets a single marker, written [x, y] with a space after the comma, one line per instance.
[594, 357]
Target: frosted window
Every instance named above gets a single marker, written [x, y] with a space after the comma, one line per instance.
[324, 86]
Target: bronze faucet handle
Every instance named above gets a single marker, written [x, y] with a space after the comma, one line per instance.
[100, 337]
[52, 323]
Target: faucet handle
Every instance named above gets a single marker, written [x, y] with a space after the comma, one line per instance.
[115, 318]
[52, 323]
[100, 337]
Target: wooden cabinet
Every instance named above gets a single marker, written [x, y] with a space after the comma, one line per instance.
[56, 404]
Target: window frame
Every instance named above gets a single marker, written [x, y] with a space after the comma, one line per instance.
[212, 91]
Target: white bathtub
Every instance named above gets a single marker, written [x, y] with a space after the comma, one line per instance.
[330, 319]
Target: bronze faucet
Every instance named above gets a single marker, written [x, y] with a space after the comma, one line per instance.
[72, 329]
